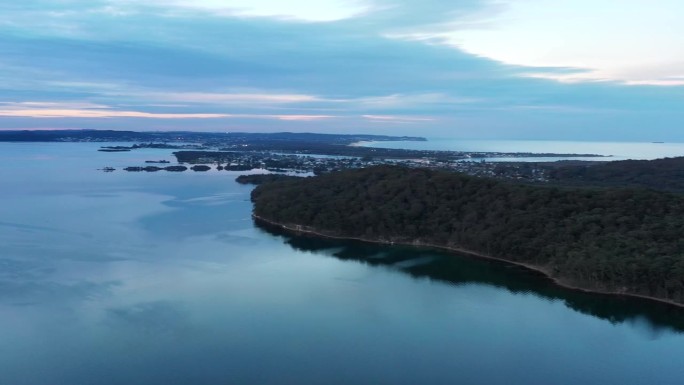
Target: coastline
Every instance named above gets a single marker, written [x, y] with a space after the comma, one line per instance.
[557, 281]
[360, 143]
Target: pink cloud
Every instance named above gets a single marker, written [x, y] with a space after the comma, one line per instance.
[397, 119]
[302, 117]
[85, 113]
[239, 98]
[44, 110]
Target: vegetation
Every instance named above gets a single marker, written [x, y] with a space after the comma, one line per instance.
[661, 174]
[622, 240]
[151, 168]
[175, 168]
[257, 179]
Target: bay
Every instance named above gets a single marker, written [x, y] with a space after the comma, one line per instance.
[163, 278]
[609, 150]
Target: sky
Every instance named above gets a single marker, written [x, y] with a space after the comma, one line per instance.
[474, 69]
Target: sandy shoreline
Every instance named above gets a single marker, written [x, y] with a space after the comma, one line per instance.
[361, 143]
[539, 269]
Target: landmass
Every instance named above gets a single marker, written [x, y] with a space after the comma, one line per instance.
[320, 161]
[618, 240]
[114, 149]
[257, 179]
[152, 168]
[294, 152]
[208, 139]
[602, 226]
[665, 174]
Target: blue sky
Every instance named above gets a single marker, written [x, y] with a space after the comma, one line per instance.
[523, 69]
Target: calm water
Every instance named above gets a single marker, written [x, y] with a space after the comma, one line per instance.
[163, 278]
[616, 150]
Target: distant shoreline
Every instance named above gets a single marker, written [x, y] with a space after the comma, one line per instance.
[559, 282]
[360, 143]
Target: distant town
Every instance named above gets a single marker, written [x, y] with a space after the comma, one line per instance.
[300, 153]
[321, 163]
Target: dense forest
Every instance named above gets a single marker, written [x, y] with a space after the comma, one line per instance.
[257, 179]
[619, 239]
[660, 174]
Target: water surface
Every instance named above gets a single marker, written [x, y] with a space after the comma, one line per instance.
[610, 150]
[163, 278]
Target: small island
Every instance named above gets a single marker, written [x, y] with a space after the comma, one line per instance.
[114, 149]
[200, 167]
[257, 179]
[155, 168]
[616, 240]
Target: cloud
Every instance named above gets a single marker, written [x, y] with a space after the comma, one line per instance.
[402, 101]
[50, 105]
[88, 110]
[630, 42]
[667, 82]
[402, 15]
[293, 10]
[66, 113]
[298, 117]
[105, 64]
[397, 119]
[233, 98]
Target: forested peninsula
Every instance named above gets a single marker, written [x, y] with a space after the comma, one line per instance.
[620, 240]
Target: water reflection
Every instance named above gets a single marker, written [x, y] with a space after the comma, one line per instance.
[423, 263]
[155, 317]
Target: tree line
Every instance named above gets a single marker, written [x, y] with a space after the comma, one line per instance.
[666, 174]
[618, 239]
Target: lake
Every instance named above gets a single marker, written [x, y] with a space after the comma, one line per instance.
[163, 278]
[610, 150]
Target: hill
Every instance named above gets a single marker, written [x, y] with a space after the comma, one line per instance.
[661, 174]
[618, 240]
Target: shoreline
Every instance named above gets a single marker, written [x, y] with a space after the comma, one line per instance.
[360, 143]
[557, 281]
